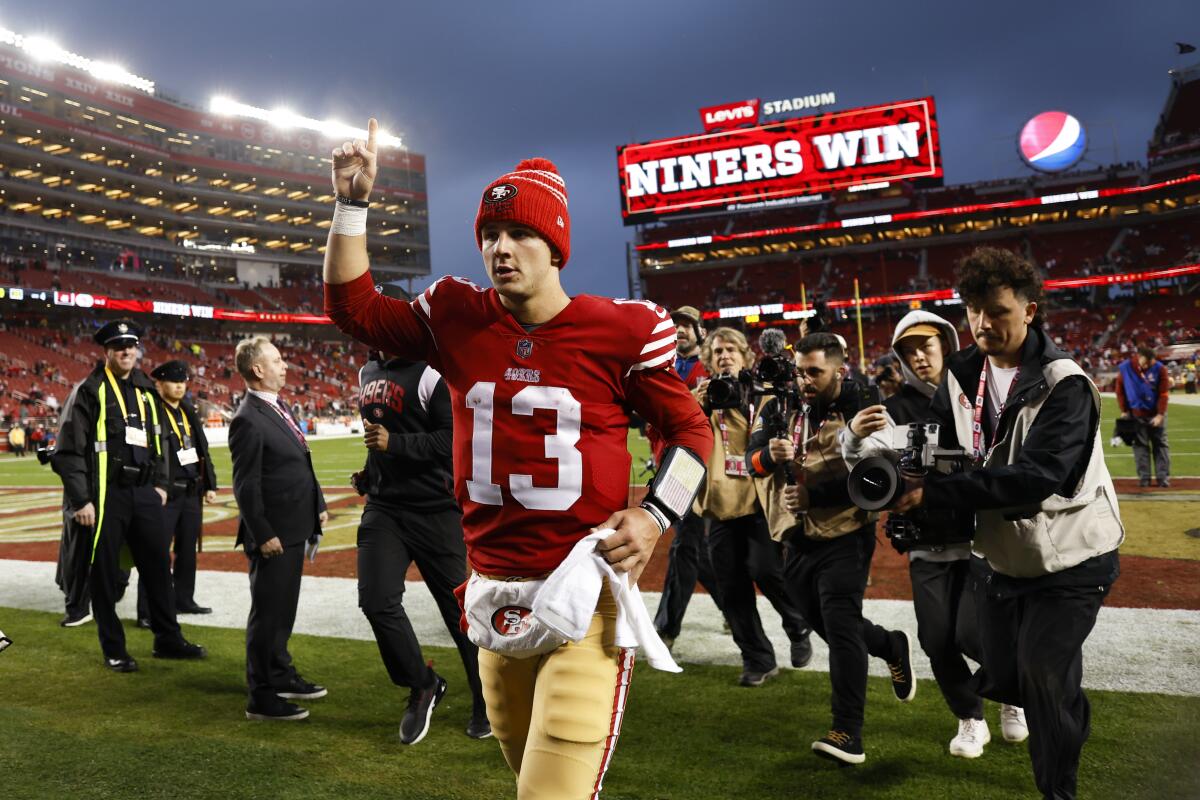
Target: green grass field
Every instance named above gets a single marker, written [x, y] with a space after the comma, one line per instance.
[69, 728]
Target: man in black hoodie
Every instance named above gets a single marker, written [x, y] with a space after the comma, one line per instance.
[943, 602]
[411, 515]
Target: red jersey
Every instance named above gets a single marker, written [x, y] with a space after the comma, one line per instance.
[540, 416]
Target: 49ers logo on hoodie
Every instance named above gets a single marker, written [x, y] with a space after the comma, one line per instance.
[381, 393]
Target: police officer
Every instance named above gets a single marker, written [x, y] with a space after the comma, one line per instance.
[411, 515]
[192, 478]
[115, 478]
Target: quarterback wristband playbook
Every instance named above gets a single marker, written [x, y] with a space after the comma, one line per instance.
[674, 487]
[349, 217]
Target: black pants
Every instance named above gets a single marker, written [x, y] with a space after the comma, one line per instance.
[688, 560]
[133, 517]
[827, 580]
[389, 540]
[1151, 442]
[274, 594]
[948, 628]
[743, 555]
[1032, 656]
[182, 518]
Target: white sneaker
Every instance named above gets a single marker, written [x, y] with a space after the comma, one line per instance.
[1012, 723]
[973, 734]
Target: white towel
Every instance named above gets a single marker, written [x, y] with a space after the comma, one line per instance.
[567, 602]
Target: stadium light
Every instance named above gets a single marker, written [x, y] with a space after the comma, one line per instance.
[40, 48]
[283, 119]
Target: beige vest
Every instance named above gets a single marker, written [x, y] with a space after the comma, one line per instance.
[727, 496]
[1062, 531]
[824, 463]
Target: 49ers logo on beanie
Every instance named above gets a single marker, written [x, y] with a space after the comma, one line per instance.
[534, 195]
[498, 194]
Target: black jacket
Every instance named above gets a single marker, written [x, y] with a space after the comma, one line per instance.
[273, 480]
[411, 401]
[1054, 454]
[75, 458]
[203, 472]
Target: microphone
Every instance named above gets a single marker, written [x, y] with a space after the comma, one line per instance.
[772, 341]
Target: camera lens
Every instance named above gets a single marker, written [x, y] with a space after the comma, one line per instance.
[874, 483]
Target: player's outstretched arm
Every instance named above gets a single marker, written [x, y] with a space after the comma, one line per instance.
[355, 165]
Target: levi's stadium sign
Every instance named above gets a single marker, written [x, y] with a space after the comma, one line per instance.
[789, 158]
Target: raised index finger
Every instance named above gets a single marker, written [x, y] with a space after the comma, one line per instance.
[372, 133]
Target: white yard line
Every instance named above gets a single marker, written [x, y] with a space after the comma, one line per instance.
[1130, 650]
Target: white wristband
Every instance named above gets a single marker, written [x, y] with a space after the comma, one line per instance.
[348, 220]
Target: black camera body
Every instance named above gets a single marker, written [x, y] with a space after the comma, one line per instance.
[877, 482]
[727, 391]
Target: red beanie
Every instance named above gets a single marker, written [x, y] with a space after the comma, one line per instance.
[533, 194]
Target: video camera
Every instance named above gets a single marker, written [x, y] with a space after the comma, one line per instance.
[877, 482]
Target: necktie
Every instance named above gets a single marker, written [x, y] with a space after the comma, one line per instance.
[282, 408]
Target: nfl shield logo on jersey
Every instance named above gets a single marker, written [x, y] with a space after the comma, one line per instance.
[525, 348]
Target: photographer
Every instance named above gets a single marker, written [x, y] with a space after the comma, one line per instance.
[942, 599]
[743, 553]
[802, 486]
[1046, 517]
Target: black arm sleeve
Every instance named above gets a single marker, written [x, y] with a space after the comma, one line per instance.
[432, 446]
[200, 440]
[1055, 449]
[74, 452]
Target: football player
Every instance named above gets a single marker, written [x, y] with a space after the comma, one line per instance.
[542, 385]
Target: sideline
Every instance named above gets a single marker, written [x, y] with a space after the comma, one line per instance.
[1130, 650]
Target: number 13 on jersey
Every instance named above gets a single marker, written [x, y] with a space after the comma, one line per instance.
[559, 446]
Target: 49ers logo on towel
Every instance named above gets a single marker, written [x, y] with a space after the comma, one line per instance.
[511, 620]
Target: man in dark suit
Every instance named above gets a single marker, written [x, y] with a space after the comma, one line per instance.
[282, 511]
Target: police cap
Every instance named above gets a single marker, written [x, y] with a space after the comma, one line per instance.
[173, 371]
[119, 333]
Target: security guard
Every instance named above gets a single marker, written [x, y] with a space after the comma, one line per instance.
[192, 478]
[115, 478]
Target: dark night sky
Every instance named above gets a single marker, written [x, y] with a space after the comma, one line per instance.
[475, 86]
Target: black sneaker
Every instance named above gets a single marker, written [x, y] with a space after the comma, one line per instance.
[74, 622]
[278, 711]
[143, 623]
[904, 682]
[841, 747]
[421, 703]
[802, 652]
[121, 664]
[1165, 483]
[1143, 483]
[754, 679]
[479, 727]
[182, 649]
[300, 689]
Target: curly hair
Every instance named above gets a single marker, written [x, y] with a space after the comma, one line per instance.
[986, 269]
[730, 335]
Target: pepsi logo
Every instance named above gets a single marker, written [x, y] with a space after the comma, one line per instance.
[1052, 141]
[501, 193]
[963, 401]
[511, 620]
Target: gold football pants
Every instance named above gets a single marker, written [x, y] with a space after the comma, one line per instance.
[557, 716]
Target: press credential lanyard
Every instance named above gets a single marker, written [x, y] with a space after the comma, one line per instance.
[980, 399]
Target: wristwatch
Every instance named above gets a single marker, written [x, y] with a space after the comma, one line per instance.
[346, 201]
